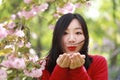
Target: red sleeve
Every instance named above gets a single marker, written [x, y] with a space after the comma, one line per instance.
[57, 74]
[100, 68]
[79, 74]
[99, 71]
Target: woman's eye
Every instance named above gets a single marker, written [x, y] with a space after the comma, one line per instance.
[65, 33]
[78, 33]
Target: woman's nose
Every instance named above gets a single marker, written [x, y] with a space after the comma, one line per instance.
[71, 38]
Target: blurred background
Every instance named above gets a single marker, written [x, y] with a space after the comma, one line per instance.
[102, 17]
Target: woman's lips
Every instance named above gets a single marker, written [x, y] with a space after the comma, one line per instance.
[72, 48]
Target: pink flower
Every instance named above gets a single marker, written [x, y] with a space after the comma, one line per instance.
[43, 7]
[3, 74]
[68, 8]
[11, 25]
[28, 45]
[19, 63]
[43, 63]
[33, 58]
[7, 63]
[27, 1]
[21, 44]
[40, 8]
[19, 33]
[3, 32]
[77, 5]
[26, 14]
[10, 31]
[33, 73]
[19, 14]
[56, 15]
[36, 72]
[13, 16]
[11, 56]
[33, 11]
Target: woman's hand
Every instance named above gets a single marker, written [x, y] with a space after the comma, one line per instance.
[77, 60]
[64, 60]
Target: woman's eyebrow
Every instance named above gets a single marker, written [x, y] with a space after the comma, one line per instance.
[75, 28]
[78, 28]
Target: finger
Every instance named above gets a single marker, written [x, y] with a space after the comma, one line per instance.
[74, 61]
[82, 59]
[72, 65]
[60, 58]
[79, 59]
[83, 62]
[58, 61]
[66, 60]
[83, 56]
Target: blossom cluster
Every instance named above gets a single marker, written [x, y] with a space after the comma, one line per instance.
[16, 57]
[33, 12]
[17, 61]
[14, 67]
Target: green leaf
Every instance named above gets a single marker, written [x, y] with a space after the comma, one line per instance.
[23, 50]
[5, 51]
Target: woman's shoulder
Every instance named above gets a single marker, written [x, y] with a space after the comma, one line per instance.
[98, 66]
[98, 59]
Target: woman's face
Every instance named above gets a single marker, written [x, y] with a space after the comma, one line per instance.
[73, 38]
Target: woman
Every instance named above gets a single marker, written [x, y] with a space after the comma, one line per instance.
[68, 57]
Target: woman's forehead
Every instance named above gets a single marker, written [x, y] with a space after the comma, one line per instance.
[74, 24]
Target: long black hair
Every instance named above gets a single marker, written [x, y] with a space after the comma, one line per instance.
[56, 48]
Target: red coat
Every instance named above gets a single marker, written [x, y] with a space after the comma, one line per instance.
[98, 70]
